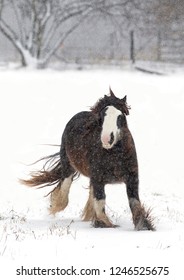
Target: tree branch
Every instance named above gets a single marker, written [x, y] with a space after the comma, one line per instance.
[6, 30]
[60, 41]
[20, 25]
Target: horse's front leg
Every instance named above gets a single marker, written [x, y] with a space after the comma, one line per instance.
[100, 218]
[141, 217]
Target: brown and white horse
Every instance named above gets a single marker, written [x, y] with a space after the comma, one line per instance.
[99, 145]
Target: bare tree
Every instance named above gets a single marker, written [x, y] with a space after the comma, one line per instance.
[37, 28]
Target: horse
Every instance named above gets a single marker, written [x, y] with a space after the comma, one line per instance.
[98, 144]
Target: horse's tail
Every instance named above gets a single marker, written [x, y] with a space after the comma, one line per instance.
[49, 175]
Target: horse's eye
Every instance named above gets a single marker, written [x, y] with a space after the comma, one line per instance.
[120, 121]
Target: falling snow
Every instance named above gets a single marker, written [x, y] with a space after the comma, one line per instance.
[34, 108]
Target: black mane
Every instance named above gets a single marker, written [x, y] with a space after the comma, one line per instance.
[111, 100]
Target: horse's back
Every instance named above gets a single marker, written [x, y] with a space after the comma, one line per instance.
[78, 124]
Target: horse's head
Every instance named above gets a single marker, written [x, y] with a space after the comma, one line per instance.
[111, 113]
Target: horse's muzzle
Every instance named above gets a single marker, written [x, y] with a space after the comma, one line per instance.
[108, 141]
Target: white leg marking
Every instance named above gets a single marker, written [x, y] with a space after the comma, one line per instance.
[65, 186]
[99, 206]
[59, 196]
[134, 202]
[89, 211]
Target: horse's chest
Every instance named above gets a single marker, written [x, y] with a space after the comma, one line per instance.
[108, 166]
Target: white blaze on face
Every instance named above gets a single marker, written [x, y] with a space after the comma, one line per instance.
[110, 131]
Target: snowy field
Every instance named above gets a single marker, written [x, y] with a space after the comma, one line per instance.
[34, 108]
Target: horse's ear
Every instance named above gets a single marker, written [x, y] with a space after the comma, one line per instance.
[111, 92]
[125, 106]
[124, 99]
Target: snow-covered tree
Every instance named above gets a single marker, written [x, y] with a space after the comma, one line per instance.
[37, 28]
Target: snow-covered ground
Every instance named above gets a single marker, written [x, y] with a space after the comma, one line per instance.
[34, 108]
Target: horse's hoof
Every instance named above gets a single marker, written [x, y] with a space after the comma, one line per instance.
[101, 224]
[145, 224]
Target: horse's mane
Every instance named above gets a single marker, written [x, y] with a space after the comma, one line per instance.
[108, 100]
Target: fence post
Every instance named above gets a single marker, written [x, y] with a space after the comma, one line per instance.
[132, 47]
[159, 46]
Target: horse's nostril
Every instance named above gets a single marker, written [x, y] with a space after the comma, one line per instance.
[111, 138]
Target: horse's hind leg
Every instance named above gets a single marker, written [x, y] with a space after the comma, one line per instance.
[59, 196]
[141, 217]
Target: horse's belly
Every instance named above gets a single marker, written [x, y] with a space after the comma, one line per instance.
[79, 161]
